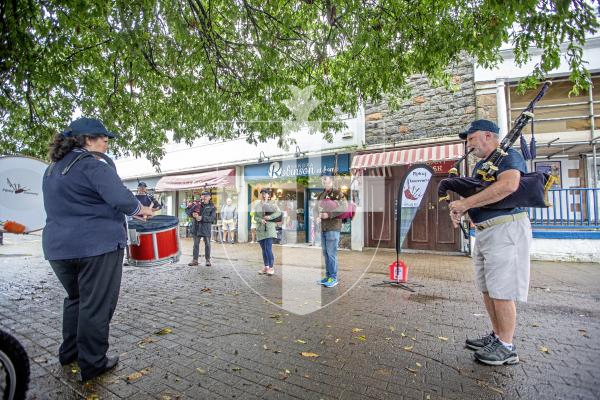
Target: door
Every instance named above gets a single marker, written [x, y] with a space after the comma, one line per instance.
[381, 203]
[432, 228]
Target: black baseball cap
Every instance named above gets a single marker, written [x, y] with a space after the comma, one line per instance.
[480, 125]
[88, 127]
[265, 190]
[206, 193]
[142, 184]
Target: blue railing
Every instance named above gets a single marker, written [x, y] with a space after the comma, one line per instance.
[571, 208]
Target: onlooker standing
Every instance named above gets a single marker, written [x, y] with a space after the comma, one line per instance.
[501, 252]
[265, 214]
[203, 216]
[84, 238]
[229, 217]
[330, 204]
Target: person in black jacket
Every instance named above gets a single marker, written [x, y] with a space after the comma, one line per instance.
[84, 238]
[146, 198]
[203, 216]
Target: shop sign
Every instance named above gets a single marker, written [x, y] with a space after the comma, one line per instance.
[292, 168]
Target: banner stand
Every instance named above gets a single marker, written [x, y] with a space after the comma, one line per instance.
[410, 193]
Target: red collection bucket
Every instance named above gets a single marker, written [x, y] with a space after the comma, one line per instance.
[398, 271]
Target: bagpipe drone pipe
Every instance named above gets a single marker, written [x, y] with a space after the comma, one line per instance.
[533, 186]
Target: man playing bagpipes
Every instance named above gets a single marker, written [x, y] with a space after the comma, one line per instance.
[330, 205]
[501, 251]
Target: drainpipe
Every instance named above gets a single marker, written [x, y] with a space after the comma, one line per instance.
[594, 138]
[501, 108]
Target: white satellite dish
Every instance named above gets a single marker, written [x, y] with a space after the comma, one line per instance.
[21, 198]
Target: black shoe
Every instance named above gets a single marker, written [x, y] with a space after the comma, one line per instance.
[66, 361]
[483, 341]
[111, 362]
[495, 353]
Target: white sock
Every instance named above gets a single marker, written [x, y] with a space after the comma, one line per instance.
[507, 345]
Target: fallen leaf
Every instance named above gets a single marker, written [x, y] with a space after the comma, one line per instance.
[337, 340]
[408, 348]
[419, 365]
[410, 370]
[309, 354]
[276, 351]
[544, 349]
[413, 338]
[265, 347]
[388, 338]
[279, 321]
[535, 325]
[362, 338]
[206, 289]
[445, 339]
[306, 376]
[201, 371]
[301, 341]
[354, 330]
[236, 369]
[287, 371]
[74, 369]
[92, 396]
[137, 375]
[164, 331]
[40, 360]
[392, 328]
[403, 334]
[275, 316]
[418, 330]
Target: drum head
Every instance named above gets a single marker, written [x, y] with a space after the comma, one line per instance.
[156, 223]
[21, 198]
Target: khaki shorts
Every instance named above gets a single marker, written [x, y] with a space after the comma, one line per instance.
[501, 260]
[228, 225]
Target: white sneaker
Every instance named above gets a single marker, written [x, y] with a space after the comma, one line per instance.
[271, 271]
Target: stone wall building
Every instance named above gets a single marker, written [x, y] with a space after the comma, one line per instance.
[429, 114]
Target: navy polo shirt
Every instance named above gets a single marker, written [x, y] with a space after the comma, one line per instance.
[85, 209]
[511, 161]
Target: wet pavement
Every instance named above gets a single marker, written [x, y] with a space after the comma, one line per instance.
[226, 332]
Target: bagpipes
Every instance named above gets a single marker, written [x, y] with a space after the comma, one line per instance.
[533, 186]
[329, 205]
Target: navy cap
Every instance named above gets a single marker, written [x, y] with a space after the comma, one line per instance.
[87, 127]
[480, 125]
[206, 193]
[142, 184]
[265, 190]
[327, 172]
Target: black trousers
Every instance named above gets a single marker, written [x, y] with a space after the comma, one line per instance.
[196, 248]
[92, 286]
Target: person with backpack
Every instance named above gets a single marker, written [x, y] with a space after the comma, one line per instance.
[266, 216]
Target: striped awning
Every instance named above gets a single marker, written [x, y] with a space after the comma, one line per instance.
[408, 156]
[219, 178]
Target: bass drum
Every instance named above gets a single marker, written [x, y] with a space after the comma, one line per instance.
[21, 198]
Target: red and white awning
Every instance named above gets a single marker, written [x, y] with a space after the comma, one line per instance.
[219, 178]
[409, 156]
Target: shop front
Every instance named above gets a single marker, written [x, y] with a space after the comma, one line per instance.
[431, 229]
[187, 188]
[295, 185]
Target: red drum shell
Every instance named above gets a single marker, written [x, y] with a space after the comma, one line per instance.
[156, 246]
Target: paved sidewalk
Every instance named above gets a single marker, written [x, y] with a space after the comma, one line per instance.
[204, 332]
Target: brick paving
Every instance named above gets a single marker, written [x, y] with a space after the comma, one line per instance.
[225, 341]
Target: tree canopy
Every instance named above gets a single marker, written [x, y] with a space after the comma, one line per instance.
[222, 67]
